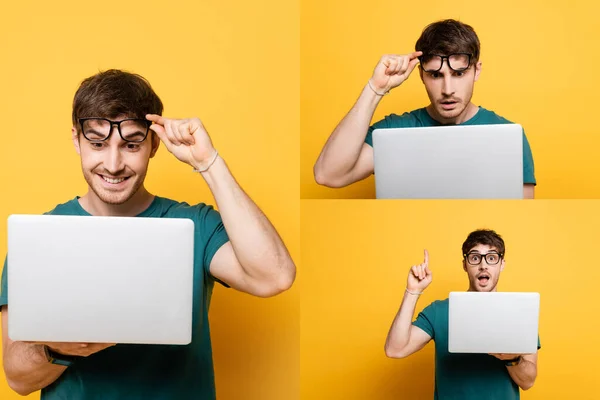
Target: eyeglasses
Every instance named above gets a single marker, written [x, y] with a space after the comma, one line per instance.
[434, 62]
[476, 258]
[130, 129]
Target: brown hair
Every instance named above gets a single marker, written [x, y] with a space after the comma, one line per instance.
[485, 237]
[111, 93]
[447, 37]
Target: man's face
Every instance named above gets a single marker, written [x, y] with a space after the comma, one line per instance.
[115, 169]
[483, 276]
[450, 92]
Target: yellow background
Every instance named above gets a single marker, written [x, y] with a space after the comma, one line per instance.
[236, 67]
[356, 256]
[538, 70]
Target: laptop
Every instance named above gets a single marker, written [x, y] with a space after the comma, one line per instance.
[493, 322]
[449, 162]
[100, 279]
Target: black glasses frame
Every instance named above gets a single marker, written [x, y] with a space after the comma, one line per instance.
[466, 257]
[118, 124]
[447, 62]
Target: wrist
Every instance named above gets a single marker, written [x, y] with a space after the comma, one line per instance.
[413, 292]
[513, 362]
[379, 92]
[205, 165]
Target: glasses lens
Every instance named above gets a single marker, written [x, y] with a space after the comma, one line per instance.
[492, 258]
[431, 63]
[96, 129]
[474, 258]
[134, 130]
[458, 62]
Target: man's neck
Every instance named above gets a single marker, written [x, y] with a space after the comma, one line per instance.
[137, 204]
[466, 115]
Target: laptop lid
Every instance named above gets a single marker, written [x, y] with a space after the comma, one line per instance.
[449, 162]
[100, 279]
[493, 322]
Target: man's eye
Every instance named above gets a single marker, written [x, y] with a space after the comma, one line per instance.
[132, 146]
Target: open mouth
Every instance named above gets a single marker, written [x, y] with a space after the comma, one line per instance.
[483, 279]
[448, 104]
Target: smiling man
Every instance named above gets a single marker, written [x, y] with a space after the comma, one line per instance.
[461, 376]
[448, 53]
[117, 129]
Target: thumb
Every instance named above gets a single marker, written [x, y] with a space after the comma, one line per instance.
[411, 65]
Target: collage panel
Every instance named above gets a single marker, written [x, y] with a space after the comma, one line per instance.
[209, 60]
[529, 286]
[381, 72]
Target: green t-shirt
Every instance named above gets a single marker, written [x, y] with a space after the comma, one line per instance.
[463, 376]
[421, 118]
[151, 371]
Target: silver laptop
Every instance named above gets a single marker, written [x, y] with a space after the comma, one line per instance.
[100, 279]
[494, 322]
[449, 162]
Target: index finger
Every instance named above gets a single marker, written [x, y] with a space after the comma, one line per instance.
[157, 119]
[426, 262]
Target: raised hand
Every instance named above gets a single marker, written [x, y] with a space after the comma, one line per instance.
[392, 70]
[186, 139]
[419, 276]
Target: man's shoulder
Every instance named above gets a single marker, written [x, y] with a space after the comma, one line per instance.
[70, 207]
[437, 306]
[490, 117]
[169, 208]
[409, 119]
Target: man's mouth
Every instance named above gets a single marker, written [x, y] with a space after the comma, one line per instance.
[448, 104]
[483, 278]
[113, 181]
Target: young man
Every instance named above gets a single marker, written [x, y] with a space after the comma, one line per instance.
[448, 52]
[117, 129]
[461, 376]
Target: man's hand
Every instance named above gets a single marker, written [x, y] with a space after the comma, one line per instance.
[392, 70]
[419, 276]
[76, 349]
[186, 139]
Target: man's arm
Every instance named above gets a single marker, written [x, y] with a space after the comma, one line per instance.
[525, 372]
[404, 338]
[346, 158]
[528, 191]
[25, 364]
[255, 260]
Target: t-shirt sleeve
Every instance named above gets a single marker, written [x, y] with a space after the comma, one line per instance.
[384, 123]
[528, 167]
[425, 320]
[4, 285]
[211, 233]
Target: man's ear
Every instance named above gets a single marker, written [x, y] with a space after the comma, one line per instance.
[421, 73]
[155, 143]
[75, 137]
[464, 265]
[477, 70]
[502, 265]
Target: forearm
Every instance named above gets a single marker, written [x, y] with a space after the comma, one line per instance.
[399, 334]
[255, 242]
[342, 150]
[27, 369]
[523, 374]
